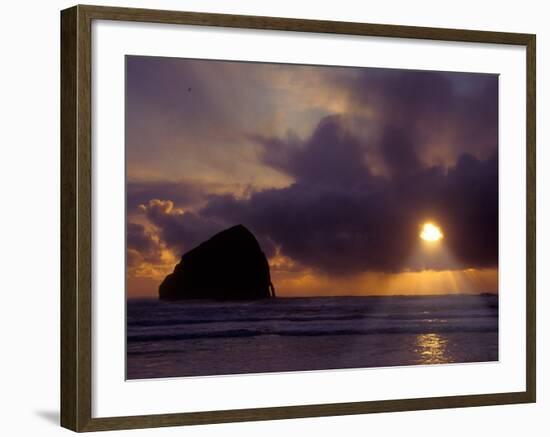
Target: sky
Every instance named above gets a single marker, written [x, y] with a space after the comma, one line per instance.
[334, 169]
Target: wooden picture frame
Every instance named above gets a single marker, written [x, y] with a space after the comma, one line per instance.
[76, 218]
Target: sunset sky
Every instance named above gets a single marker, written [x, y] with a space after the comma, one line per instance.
[335, 170]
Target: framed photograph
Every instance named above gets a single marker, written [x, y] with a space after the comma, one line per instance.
[268, 218]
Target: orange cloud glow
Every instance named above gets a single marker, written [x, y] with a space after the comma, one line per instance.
[373, 283]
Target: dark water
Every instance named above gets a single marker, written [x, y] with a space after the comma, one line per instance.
[193, 338]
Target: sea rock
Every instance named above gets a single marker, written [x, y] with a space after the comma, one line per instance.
[228, 266]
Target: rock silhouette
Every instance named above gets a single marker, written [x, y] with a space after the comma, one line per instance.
[228, 266]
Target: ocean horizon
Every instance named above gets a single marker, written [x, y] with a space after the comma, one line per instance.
[208, 337]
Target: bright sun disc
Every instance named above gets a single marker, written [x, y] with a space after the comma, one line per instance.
[430, 232]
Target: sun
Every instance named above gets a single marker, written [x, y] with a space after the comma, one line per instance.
[431, 232]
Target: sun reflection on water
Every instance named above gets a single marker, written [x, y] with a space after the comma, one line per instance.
[432, 349]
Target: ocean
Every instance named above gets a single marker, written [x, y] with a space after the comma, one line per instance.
[199, 338]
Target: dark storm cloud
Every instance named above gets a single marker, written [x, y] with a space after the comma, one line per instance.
[339, 216]
[331, 156]
[471, 205]
[427, 110]
[340, 222]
